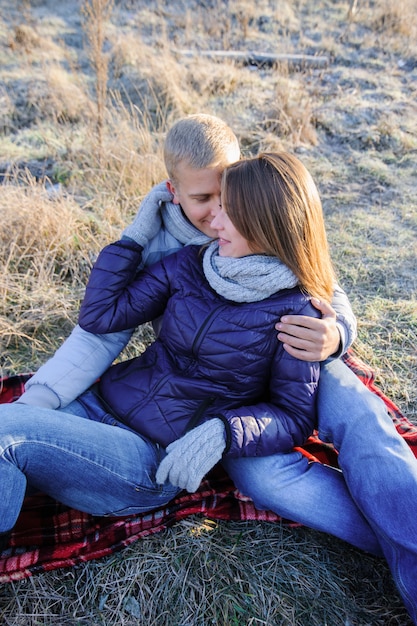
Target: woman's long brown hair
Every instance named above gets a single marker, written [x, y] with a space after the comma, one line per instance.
[274, 203]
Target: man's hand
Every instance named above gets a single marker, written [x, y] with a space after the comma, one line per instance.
[307, 338]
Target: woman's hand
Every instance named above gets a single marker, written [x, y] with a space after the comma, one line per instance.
[193, 455]
[147, 222]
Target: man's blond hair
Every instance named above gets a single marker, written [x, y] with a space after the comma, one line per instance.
[200, 141]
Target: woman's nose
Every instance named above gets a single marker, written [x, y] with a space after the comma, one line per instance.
[215, 222]
[215, 209]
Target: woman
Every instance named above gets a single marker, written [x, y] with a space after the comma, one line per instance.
[221, 369]
[216, 383]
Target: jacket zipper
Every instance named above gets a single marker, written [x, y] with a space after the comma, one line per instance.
[198, 337]
[198, 414]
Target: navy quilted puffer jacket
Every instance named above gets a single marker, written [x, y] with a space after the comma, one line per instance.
[213, 357]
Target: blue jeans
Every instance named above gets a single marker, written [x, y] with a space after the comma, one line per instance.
[371, 503]
[80, 456]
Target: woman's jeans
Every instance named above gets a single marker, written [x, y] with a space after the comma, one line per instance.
[84, 458]
[373, 504]
[80, 456]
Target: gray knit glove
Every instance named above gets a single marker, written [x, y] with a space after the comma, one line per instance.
[193, 455]
[147, 222]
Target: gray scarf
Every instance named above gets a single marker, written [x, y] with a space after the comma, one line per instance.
[179, 227]
[246, 279]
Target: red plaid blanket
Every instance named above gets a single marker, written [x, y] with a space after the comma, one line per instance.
[49, 535]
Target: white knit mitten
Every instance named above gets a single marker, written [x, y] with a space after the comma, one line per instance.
[147, 222]
[193, 455]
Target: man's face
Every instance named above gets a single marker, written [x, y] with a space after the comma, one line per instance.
[198, 193]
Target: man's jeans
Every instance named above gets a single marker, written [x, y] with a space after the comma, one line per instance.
[86, 459]
[80, 456]
[372, 504]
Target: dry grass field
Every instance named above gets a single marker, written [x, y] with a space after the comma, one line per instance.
[87, 92]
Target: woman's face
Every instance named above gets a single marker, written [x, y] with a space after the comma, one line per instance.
[231, 242]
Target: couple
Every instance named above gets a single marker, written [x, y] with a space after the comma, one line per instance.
[217, 384]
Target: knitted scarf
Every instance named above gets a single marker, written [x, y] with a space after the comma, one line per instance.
[179, 227]
[246, 279]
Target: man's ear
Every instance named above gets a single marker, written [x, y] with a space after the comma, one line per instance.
[171, 187]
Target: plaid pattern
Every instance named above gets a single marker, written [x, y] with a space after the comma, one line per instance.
[49, 535]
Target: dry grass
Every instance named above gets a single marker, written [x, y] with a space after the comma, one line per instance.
[47, 246]
[397, 18]
[96, 14]
[207, 573]
[98, 131]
